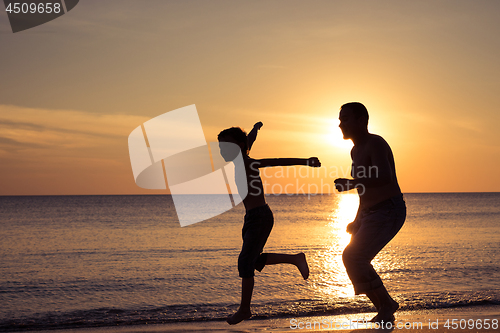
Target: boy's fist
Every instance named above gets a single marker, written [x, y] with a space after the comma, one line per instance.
[258, 125]
[313, 162]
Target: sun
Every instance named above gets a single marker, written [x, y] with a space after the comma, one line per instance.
[335, 137]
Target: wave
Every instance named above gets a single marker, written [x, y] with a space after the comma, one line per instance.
[104, 317]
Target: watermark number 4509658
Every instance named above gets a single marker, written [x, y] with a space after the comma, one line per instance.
[26, 14]
[25, 8]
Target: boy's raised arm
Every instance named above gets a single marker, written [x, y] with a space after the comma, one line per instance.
[252, 136]
[271, 162]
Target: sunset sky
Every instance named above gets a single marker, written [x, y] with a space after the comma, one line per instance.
[73, 89]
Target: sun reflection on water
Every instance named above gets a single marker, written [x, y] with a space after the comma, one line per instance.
[344, 214]
[332, 279]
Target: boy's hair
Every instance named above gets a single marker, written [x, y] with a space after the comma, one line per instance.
[237, 134]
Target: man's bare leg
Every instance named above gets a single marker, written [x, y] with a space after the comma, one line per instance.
[246, 298]
[374, 299]
[298, 260]
[384, 303]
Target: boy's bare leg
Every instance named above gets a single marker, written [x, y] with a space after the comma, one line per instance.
[384, 303]
[246, 298]
[298, 260]
[244, 312]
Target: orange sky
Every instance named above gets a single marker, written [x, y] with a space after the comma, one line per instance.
[73, 89]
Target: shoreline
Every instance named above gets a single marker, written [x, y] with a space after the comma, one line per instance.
[473, 318]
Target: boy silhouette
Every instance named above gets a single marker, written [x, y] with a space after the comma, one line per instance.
[259, 220]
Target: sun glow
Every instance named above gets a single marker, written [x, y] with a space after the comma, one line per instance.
[335, 137]
[343, 215]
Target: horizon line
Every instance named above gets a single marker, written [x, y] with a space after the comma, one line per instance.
[267, 194]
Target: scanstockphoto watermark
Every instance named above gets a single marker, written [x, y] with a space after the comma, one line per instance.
[298, 187]
[170, 152]
[310, 181]
[326, 324]
[331, 172]
[450, 324]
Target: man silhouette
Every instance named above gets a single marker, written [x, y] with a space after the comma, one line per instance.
[381, 212]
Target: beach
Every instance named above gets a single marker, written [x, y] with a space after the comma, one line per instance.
[471, 319]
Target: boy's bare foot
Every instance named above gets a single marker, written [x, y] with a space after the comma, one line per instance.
[238, 317]
[302, 265]
[386, 314]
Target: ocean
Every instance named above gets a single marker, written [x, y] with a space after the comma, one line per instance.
[96, 261]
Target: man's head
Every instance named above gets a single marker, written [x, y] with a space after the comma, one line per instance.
[233, 135]
[353, 119]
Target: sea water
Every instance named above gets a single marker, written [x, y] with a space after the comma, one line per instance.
[86, 261]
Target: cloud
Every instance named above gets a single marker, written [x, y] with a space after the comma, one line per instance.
[11, 145]
[468, 124]
[29, 127]
[64, 151]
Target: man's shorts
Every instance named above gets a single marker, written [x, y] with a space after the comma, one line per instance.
[258, 224]
[378, 225]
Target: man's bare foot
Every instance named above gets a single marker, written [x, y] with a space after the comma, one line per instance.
[302, 265]
[386, 314]
[238, 317]
[379, 318]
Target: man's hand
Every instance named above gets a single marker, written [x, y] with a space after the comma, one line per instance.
[258, 125]
[313, 162]
[343, 184]
[353, 227]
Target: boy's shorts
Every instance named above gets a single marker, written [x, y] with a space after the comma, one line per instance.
[258, 224]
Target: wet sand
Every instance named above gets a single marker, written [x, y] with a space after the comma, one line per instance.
[467, 319]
